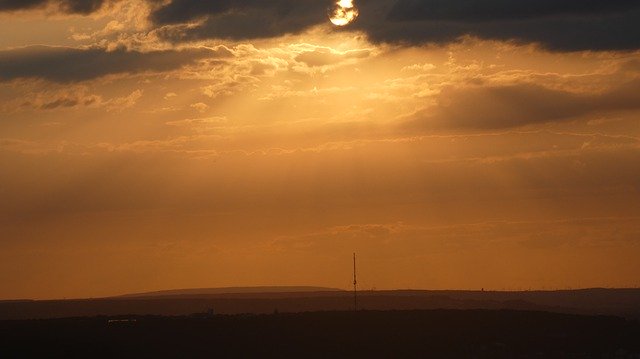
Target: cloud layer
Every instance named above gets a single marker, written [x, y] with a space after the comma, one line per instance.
[63, 64]
[556, 25]
[561, 26]
[67, 6]
[240, 20]
[508, 106]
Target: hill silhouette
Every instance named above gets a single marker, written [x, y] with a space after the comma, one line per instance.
[618, 302]
[230, 290]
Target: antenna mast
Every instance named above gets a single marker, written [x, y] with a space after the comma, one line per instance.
[355, 286]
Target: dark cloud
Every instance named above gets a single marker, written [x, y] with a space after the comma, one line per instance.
[491, 10]
[69, 101]
[240, 19]
[64, 64]
[63, 102]
[570, 25]
[182, 11]
[68, 6]
[567, 25]
[499, 107]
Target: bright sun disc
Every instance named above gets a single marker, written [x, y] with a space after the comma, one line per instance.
[343, 12]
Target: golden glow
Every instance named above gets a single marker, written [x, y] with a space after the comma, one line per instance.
[269, 161]
[343, 13]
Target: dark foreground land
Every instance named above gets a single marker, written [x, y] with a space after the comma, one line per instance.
[391, 334]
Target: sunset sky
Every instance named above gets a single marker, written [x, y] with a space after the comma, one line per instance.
[453, 144]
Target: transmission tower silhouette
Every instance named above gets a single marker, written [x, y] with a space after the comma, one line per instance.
[355, 286]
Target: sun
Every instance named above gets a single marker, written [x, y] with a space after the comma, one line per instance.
[343, 13]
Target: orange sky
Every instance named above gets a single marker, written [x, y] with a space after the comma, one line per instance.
[131, 161]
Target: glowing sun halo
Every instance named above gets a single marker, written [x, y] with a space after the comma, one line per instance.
[343, 12]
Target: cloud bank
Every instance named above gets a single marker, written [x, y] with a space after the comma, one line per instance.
[559, 26]
[66, 6]
[64, 64]
[571, 25]
[508, 106]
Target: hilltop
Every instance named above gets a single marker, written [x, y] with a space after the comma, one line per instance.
[230, 290]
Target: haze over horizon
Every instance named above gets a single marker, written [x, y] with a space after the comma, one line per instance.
[147, 145]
